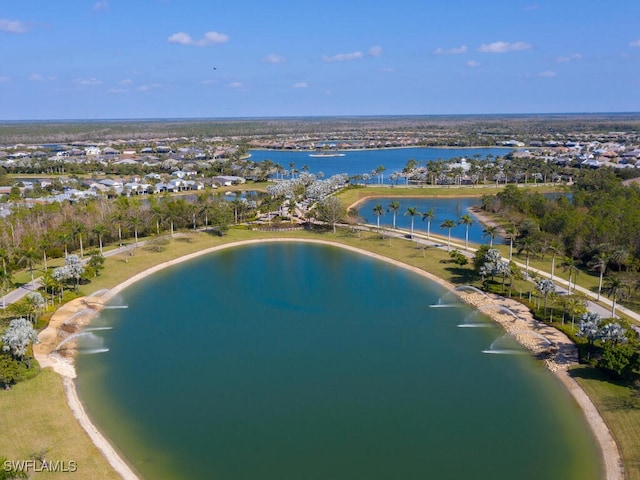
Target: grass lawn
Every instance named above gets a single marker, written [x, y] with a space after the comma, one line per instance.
[620, 410]
[352, 195]
[34, 415]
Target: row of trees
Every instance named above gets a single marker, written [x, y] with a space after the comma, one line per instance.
[448, 224]
[606, 342]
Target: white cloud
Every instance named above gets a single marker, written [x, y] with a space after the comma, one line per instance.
[547, 74]
[273, 58]
[569, 58]
[36, 77]
[300, 85]
[126, 81]
[451, 51]
[88, 81]
[635, 43]
[146, 88]
[503, 47]
[181, 38]
[101, 6]
[388, 70]
[473, 64]
[375, 51]
[4, 79]
[210, 38]
[342, 57]
[12, 26]
[118, 90]
[235, 85]
[535, 6]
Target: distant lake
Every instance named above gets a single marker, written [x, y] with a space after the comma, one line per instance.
[444, 208]
[297, 361]
[364, 161]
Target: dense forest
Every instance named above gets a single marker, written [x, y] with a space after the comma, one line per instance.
[595, 226]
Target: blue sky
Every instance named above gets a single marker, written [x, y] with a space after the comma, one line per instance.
[77, 59]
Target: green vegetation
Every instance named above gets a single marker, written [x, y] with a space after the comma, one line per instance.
[169, 226]
[36, 419]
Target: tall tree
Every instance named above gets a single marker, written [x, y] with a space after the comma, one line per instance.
[331, 210]
[394, 207]
[467, 221]
[428, 216]
[529, 246]
[600, 263]
[448, 224]
[512, 233]
[490, 231]
[412, 212]
[378, 211]
[569, 265]
[617, 289]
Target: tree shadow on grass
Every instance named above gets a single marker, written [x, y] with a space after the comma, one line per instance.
[461, 275]
[629, 400]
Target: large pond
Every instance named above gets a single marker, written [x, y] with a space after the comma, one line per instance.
[358, 162]
[290, 361]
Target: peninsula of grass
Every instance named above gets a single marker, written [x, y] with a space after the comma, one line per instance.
[354, 194]
[34, 414]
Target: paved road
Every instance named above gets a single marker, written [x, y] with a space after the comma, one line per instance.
[17, 294]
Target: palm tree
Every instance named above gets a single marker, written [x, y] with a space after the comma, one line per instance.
[448, 224]
[554, 248]
[529, 246]
[378, 211]
[78, 229]
[394, 207]
[99, 229]
[467, 221]
[512, 233]
[429, 215]
[600, 263]
[490, 231]
[615, 287]
[569, 265]
[412, 212]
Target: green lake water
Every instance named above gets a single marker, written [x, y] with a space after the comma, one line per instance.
[298, 361]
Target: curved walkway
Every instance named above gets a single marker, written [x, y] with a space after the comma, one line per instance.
[526, 329]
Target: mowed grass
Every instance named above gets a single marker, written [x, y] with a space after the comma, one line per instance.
[619, 405]
[351, 195]
[34, 415]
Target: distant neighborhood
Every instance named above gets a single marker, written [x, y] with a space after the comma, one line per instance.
[81, 169]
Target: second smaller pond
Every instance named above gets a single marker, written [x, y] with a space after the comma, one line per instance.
[444, 209]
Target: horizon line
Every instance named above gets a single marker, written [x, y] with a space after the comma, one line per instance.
[343, 116]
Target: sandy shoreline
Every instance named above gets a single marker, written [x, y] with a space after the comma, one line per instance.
[558, 352]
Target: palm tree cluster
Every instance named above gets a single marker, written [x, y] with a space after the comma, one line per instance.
[472, 171]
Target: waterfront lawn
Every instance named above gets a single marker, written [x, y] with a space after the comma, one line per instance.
[34, 415]
[351, 195]
[619, 405]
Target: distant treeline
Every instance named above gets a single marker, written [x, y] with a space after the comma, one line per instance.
[484, 128]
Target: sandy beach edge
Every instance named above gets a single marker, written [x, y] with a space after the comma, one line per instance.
[612, 461]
